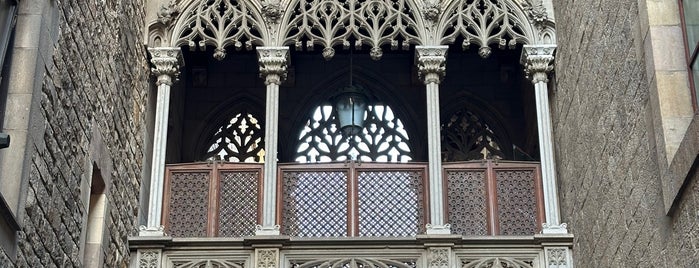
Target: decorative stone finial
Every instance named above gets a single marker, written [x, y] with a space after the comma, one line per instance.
[167, 13]
[272, 11]
[431, 62]
[536, 12]
[538, 61]
[167, 62]
[431, 11]
[273, 62]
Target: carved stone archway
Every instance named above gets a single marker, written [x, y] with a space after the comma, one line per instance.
[329, 24]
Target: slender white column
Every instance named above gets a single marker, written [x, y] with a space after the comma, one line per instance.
[273, 61]
[537, 61]
[431, 62]
[167, 62]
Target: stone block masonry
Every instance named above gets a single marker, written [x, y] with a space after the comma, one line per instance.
[92, 85]
[610, 186]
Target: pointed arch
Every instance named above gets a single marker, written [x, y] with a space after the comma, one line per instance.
[220, 23]
[222, 127]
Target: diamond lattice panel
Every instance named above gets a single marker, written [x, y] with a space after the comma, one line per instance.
[315, 204]
[189, 202]
[467, 207]
[390, 203]
[516, 202]
[238, 203]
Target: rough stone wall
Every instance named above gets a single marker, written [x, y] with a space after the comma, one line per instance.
[610, 189]
[93, 95]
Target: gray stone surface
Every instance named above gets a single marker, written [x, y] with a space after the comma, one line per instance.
[610, 188]
[96, 79]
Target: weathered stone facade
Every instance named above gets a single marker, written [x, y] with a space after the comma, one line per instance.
[90, 91]
[606, 125]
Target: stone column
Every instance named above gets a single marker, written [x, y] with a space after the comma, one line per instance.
[431, 63]
[166, 62]
[537, 61]
[273, 61]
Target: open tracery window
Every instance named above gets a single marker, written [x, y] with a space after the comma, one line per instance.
[237, 140]
[383, 138]
[466, 137]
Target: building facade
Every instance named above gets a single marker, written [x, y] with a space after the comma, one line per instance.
[482, 133]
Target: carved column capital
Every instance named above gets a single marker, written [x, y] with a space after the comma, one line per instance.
[273, 62]
[538, 62]
[166, 64]
[431, 63]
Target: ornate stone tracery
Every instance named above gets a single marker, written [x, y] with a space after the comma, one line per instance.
[329, 24]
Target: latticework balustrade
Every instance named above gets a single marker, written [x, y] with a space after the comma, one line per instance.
[351, 199]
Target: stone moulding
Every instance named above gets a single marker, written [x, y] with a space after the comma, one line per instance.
[329, 24]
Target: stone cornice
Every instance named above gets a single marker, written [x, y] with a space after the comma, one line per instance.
[166, 64]
[431, 63]
[273, 63]
[538, 62]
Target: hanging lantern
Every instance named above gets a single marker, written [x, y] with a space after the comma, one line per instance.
[351, 104]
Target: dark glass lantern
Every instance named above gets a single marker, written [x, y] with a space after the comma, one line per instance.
[350, 105]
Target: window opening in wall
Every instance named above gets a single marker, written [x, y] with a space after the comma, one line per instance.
[95, 221]
[466, 137]
[238, 140]
[383, 138]
[690, 19]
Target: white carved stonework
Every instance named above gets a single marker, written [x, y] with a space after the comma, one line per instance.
[149, 258]
[555, 228]
[273, 63]
[151, 230]
[353, 263]
[267, 230]
[538, 62]
[496, 262]
[438, 229]
[166, 67]
[431, 63]
[266, 258]
[484, 23]
[557, 257]
[166, 64]
[167, 13]
[329, 24]
[438, 257]
[208, 264]
[273, 67]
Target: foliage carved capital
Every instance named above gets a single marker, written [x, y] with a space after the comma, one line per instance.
[538, 62]
[431, 63]
[273, 63]
[166, 64]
